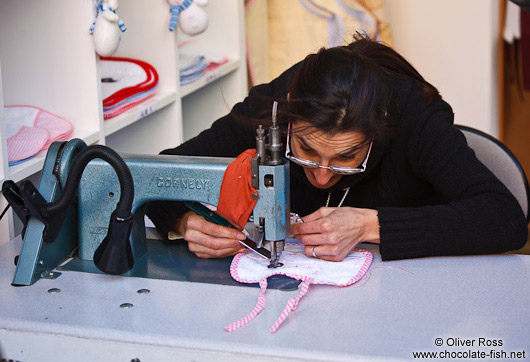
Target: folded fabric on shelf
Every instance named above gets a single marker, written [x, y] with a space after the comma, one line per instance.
[30, 130]
[214, 65]
[117, 75]
[132, 98]
[58, 128]
[125, 83]
[20, 161]
[195, 62]
[26, 143]
[192, 68]
[128, 104]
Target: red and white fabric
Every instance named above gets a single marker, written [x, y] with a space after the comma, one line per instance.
[213, 65]
[125, 83]
[124, 74]
[129, 104]
[250, 268]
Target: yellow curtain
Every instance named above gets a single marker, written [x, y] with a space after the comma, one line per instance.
[280, 33]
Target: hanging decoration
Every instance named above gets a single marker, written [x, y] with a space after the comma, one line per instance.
[107, 27]
[190, 16]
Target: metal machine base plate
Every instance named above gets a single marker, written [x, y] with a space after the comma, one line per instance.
[176, 262]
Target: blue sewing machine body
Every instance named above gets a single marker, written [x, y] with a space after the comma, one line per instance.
[161, 177]
[171, 178]
[155, 178]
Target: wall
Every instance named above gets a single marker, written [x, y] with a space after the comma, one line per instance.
[453, 44]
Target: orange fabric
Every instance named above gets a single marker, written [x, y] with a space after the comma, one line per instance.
[236, 202]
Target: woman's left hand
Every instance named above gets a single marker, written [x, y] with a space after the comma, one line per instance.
[333, 232]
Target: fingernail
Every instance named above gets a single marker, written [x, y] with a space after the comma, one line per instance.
[241, 236]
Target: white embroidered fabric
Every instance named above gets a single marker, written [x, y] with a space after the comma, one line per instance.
[18, 117]
[250, 268]
[123, 74]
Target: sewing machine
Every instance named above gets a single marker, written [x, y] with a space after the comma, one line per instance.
[51, 238]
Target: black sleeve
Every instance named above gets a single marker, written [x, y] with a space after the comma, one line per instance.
[482, 216]
[227, 137]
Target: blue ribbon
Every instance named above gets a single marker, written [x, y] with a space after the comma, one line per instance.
[175, 11]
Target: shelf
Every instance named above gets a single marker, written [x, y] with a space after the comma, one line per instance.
[153, 104]
[36, 71]
[210, 77]
[35, 164]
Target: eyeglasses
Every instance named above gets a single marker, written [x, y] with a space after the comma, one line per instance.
[312, 164]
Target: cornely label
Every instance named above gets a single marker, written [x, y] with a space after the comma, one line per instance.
[182, 183]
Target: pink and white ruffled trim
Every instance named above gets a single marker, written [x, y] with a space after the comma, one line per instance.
[249, 268]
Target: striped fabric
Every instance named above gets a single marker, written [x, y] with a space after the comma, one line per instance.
[121, 25]
[175, 11]
[30, 130]
[193, 68]
[26, 143]
[132, 99]
[128, 104]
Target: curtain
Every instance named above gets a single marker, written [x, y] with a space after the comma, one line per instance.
[279, 33]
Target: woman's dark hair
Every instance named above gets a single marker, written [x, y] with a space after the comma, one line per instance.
[347, 88]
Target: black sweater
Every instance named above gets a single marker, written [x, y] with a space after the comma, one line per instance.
[432, 194]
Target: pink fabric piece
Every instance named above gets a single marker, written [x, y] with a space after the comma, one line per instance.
[253, 314]
[214, 65]
[27, 142]
[58, 128]
[37, 130]
[249, 268]
[292, 304]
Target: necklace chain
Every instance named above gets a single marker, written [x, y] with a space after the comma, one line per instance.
[346, 190]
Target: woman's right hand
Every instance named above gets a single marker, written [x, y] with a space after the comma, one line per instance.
[209, 240]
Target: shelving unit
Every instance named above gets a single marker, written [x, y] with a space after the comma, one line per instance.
[227, 85]
[34, 165]
[144, 109]
[222, 71]
[47, 59]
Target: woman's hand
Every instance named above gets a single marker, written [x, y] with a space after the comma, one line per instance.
[209, 240]
[333, 232]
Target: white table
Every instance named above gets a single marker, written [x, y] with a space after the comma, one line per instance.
[391, 316]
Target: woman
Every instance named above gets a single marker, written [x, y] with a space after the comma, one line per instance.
[374, 158]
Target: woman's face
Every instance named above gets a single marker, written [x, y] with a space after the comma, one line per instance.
[347, 149]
